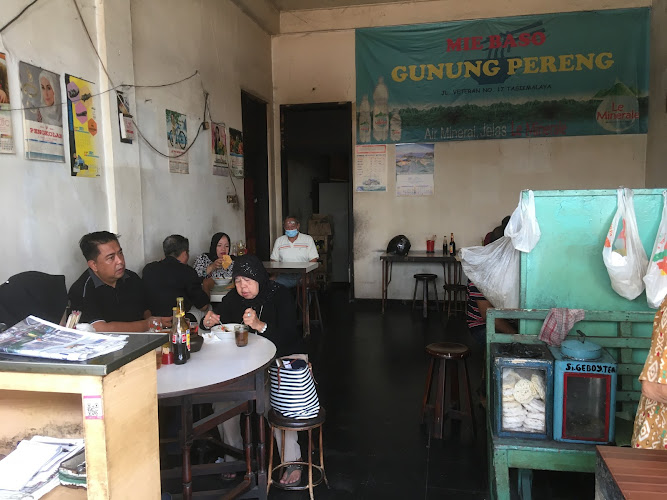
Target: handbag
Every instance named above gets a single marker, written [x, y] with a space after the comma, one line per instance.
[293, 391]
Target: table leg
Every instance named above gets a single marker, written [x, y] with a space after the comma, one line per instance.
[384, 283]
[305, 309]
[186, 444]
[260, 408]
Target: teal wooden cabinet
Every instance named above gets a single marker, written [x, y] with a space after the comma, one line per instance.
[526, 454]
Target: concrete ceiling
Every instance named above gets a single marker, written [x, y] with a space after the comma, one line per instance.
[283, 5]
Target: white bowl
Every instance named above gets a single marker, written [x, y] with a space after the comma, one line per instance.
[225, 331]
[222, 281]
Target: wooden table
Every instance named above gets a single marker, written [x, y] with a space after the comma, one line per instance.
[49, 397]
[305, 269]
[220, 371]
[421, 256]
[630, 473]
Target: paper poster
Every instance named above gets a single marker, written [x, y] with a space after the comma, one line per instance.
[82, 124]
[6, 134]
[219, 146]
[42, 113]
[236, 151]
[125, 123]
[370, 168]
[542, 75]
[414, 169]
[177, 137]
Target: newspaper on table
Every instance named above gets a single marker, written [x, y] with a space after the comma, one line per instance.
[39, 338]
[31, 470]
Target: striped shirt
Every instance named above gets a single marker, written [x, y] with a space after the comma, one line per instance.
[473, 316]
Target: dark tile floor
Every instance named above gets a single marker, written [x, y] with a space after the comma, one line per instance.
[370, 370]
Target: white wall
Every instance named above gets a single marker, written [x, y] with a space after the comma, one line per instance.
[172, 39]
[476, 182]
[45, 210]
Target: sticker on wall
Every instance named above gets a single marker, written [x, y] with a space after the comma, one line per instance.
[219, 146]
[177, 138]
[42, 113]
[82, 124]
[6, 134]
[92, 408]
[236, 151]
[414, 169]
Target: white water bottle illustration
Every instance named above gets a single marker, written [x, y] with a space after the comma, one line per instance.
[395, 127]
[364, 120]
[380, 112]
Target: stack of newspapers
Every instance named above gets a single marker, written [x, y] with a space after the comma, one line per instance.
[31, 470]
[37, 337]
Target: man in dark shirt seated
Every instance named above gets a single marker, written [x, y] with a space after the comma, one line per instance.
[110, 297]
[172, 277]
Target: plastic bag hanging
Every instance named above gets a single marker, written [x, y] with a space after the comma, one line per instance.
[494, 269]
[623, 253]
[656, 274]
[522, 227]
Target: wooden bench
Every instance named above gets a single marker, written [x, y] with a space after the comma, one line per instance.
[528, 454]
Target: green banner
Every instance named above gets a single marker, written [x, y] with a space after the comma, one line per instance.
[578, 73]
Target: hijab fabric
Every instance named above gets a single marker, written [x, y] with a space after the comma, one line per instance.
[212, 252]
[249, 266]
[51, 115]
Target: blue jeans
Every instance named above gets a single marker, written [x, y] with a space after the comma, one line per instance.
[288, 280]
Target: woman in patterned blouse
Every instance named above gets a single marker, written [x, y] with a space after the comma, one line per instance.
[214, 264]
[650, 429]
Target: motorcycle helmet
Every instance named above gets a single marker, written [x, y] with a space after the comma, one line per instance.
[400, 245]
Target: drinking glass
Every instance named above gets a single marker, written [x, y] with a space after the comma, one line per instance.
[155, 325]
[241, 335]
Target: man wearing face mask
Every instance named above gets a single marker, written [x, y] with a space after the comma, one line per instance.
[293, 246]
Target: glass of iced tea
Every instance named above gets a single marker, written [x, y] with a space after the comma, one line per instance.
[241, 335]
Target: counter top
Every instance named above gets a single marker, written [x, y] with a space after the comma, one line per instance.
[138, 344]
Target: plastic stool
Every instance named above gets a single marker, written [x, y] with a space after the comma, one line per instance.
[440, 353]
[282, 423]
[424, 279]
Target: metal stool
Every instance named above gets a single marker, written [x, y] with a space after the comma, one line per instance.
[456, 294]
[441, 352]
[278, 421]
[424, 279]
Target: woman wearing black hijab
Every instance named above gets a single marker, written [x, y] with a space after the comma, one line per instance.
[268, 308]
[212, 264]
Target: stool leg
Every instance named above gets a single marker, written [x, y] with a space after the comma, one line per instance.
[324, 474]
[447, 419]
[439, 408]
[427, 387]
[414, 295]
[465, 378]
[319, 312]
[435, 290]
[270, 475]
[310, 463]
[425, 299]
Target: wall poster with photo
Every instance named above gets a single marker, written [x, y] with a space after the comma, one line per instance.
[82, 124]
[42, 113]
[6, 134]
[177, 137]
[236, 152]
[219, 146]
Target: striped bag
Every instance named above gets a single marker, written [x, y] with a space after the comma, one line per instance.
[293, 391]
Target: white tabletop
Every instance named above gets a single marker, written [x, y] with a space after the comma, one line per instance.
[215, 363]
[303, 267]
[219, 292]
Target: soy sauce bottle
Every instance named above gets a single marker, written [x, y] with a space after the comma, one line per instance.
[179, 342]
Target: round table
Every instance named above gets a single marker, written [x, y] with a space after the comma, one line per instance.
[220, 371]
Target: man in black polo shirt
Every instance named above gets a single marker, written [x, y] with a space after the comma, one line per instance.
[110, 297]
[171, 277]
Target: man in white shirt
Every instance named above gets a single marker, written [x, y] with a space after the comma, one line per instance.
[293, 246]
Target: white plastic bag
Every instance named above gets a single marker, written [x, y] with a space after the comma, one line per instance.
[623, 253]
[523, 227]
[656, 274]
[494, 269]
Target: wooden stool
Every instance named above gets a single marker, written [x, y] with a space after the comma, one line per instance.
[456, 294]
[278, 421]
[441, 352]
[424, 279]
